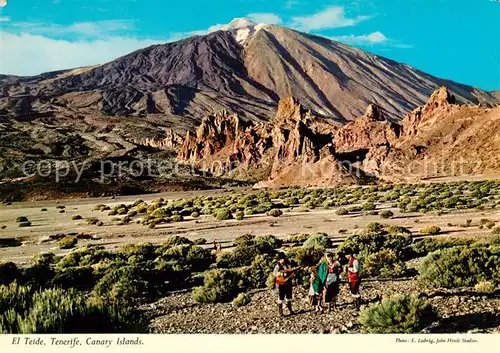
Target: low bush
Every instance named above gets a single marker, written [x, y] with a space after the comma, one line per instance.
[307, 256]
[59, 311]
[239, 215]
[24, 224]
[76, 217]
[431, 230]
[318, 240]
[9, 272]
[399, 314]
[68, 242]
[223, 214]
[426, 246]
[275, 213]
[199, 241]
[342, 212]
[386, 214]
[241, 300]
[21, 219]
[485, 287]
[267, 243]
[460, 267]
[219, 286]
[298, 239]
[383, 264]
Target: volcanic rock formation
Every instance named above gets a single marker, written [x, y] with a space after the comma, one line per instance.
[298, 148]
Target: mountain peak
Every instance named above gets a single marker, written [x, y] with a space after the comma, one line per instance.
[243, 29]
[240, 22]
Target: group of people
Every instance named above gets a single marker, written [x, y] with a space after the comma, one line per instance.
[324, 282]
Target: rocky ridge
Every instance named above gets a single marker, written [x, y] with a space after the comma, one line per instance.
[296, 148]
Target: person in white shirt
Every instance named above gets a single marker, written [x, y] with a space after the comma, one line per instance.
[354, 277]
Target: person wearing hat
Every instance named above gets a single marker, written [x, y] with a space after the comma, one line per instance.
[283, 274]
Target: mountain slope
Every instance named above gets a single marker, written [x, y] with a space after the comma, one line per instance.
[246, 69]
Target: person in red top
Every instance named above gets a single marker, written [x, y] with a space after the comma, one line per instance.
[354, 277]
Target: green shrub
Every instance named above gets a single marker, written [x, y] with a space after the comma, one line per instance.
[92, 221]
[68, 242]
[195, 214]
[374, 227]
[307, 256]
[425, 246]
[298, 239]
[242, 255]
[431, 230]
[177, 240]
[383, 264]
[58, 311]
[21, 219]
[319, 239]
[219, 286]
[496, 231]
[241, 300]
[8, 272]
[460, 267]
[177, 218]
[399, 314]
[24, 224]
[386, 214]
[244, 240]
[79, 277]
[367, 243]
[485, 287]
[239, 215]
[342, 212]
[199, 241]
[275, 213]
[223, 214]
[369, 206]
[267, 243]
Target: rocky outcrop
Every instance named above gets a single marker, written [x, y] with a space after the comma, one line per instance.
[298, 149]
[169, 142]
[369, 131]
[441, 102]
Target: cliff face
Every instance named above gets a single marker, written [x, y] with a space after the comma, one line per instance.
[297, 148]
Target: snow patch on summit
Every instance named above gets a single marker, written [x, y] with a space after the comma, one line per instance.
[243, 29]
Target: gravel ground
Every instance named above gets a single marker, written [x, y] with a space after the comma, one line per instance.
[461, 311]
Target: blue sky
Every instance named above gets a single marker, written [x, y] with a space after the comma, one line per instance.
[455, 39]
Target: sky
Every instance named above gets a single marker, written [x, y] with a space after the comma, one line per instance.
[452, 39]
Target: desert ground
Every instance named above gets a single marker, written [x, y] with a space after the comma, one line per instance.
[36, 239]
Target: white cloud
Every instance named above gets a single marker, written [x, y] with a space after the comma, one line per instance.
[332, 17]
[28, 54]
[87, 30]
[375, 38]
[264, 17]
[370, 39]
[4, 19]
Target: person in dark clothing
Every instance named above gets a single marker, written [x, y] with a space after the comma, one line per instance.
[332, 283]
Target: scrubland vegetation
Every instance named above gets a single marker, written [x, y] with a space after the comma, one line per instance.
[67, 293]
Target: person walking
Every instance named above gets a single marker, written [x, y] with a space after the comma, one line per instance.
[283, 274]
[354, 277]
[332, 282]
